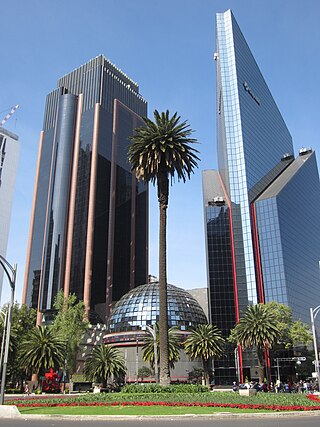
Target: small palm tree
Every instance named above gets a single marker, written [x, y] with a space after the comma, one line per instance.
[159, 150]
[174, 345]
[105, 361]
[258, 329]
[204, 343]
[40, 350]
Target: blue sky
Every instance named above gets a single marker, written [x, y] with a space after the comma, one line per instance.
[167, 47]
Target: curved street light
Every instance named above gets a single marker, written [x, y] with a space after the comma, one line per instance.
[11, 273]
[313, 314]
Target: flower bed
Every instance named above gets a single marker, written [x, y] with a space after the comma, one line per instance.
[262, 401]
[183, 404]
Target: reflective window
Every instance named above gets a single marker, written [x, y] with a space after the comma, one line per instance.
[140, 307]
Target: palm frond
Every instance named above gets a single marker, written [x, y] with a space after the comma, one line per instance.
[163, 146]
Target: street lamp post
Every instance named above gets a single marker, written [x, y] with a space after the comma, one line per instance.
[155, 350]
[11, 273]
[5, 316]
[278, 369]
[236, 359]
[137, 361]
[313, 314]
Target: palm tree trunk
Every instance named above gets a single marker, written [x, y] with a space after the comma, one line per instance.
[205, 371]
[261, 365]
[163, 194]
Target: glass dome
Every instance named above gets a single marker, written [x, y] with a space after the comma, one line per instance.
[140, 307]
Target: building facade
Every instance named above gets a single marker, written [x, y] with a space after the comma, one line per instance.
[89, 221]
[137, 311]
[9, 157]
[255, 156]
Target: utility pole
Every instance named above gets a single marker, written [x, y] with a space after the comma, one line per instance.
[313, 314]
[11, 273]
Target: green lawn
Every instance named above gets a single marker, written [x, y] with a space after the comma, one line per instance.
[131, 410]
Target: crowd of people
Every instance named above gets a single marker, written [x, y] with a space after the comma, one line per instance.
[301, 386]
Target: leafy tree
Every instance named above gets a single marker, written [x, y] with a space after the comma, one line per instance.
[299, 333]
[205, 342]
[174, 345]
[143, 372]
[159, 150]
[292, 332]
[23, 319]
[258, 329]
[105, 361]
[69, 325]
[40, 350]
[195, 376]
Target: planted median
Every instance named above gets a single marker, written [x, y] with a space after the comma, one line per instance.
[157, 403]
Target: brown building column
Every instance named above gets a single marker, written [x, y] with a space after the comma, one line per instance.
[91, 212]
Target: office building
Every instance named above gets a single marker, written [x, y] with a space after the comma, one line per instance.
[257, 205]
[89, 223]
[9, 156]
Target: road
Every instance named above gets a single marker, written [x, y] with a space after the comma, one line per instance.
[287, 421]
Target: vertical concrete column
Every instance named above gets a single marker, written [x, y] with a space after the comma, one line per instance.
[91, 212]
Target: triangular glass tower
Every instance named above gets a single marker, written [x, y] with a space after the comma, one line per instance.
[254, 151]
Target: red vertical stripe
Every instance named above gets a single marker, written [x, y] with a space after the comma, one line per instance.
[234, 271]
[256, 249]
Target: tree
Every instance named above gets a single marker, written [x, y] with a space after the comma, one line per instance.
[143, 372]
[105, 361]
[23, 319]
[173, 344]
[69, 325]
[258, 329]
[159, 150]
[292, 332]
[40, 350]
[195, 376]
[204, 343]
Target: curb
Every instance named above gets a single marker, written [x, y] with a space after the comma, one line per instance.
[217, 415]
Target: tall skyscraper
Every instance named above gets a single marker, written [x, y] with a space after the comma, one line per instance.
[89, 222]
[9, 156]
[256, 251]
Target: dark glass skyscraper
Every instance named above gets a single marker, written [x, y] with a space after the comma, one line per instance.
[89, 221]
[246, 200]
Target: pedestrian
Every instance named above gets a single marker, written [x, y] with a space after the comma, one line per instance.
[26, 389]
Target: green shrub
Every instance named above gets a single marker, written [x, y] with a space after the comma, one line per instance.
[157, 388]
[13, 390]
[78, 378]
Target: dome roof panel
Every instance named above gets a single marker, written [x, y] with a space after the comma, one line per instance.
[140, 307]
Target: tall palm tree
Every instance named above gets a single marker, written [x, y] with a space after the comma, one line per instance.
[205, 342]
[159, 150]
[105, 361]
[174, 345]
[258, 329]
[40, 350]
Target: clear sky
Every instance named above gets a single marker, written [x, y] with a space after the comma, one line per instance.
[166, 46]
